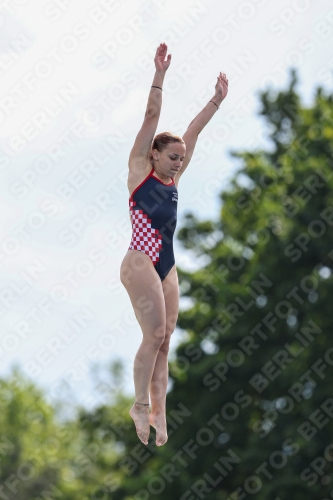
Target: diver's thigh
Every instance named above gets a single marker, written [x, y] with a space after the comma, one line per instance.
[170, 287]
[145, 291]
[135, 263]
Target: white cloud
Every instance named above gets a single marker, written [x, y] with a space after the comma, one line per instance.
[108, 62]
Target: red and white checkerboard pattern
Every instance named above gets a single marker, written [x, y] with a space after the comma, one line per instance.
[144, 237]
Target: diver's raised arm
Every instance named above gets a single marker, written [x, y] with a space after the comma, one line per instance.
[146, 134]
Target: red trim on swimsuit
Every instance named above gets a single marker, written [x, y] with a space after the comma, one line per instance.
[144, 180]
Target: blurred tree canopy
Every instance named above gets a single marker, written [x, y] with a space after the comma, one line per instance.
[43, 457]
[250, 407]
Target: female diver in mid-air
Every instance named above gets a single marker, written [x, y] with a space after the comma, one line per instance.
[148, 270]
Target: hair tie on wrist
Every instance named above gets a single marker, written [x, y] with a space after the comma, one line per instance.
[215, 104]
[157, 87]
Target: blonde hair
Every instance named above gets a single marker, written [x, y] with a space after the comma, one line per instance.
[161, 141]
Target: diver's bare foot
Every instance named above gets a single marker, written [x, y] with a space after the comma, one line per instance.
[157, 420]
[140, 415]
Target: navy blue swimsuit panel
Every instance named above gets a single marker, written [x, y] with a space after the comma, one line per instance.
[153, 209]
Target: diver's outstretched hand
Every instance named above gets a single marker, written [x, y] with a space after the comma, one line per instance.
[160, 63]
[221, 87]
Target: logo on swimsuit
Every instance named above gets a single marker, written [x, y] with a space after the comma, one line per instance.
[174, 196]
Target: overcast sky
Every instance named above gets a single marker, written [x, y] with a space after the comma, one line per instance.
[75, 78]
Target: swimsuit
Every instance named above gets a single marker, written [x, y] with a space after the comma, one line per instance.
[153, 209]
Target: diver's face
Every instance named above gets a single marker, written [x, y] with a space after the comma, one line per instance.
[171, 158]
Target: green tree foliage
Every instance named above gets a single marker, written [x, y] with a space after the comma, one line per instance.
[45, 458]
[30, 444]
[251, 405]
